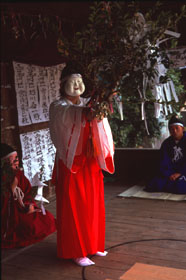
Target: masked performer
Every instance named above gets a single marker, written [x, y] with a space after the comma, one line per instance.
[22, 221]
[84, 146]
[172, 169]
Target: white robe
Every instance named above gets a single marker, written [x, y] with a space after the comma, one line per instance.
[66, 124]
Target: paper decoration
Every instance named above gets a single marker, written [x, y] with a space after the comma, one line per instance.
[163, 91]
[36, 182]
[119, 105]
[38, 154]
[36, 87]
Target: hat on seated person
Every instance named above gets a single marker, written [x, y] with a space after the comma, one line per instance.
[174, 120]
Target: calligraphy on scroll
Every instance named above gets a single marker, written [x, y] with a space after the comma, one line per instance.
[38, 154]
[36, 87]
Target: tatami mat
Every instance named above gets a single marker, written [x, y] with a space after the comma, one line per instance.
[137, 191]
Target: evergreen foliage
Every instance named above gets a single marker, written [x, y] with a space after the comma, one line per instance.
[118, 49]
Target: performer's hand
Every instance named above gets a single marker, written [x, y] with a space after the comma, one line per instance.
[32, 209]
[174, 176]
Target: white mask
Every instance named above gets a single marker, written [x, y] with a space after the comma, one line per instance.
[74, 85]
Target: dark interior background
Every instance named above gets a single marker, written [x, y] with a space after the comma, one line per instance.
[74, 14]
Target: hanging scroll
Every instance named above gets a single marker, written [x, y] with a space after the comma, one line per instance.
[36, 87]
[38, 154]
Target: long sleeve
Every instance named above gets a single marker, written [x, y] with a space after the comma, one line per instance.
[66, 125]
[166, 166]
[183, 161]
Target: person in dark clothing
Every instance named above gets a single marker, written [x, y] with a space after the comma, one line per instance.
[171, 177]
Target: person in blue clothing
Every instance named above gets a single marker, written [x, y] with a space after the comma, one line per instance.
[172, 169]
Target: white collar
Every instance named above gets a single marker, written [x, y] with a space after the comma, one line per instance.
[71, 103]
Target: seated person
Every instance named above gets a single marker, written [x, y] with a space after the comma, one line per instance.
[22, 221]
[172, 170]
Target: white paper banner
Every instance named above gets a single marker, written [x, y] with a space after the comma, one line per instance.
[36, 87]
[21, 91]
[38, 154]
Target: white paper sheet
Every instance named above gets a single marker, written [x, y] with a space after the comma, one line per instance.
[38, 154]
[36, 87]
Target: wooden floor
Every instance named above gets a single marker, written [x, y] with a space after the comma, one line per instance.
[137, 230]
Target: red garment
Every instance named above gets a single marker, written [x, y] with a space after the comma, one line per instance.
[80, 205]
[18, 228]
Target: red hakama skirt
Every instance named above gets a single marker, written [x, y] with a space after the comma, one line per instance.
[80, 207]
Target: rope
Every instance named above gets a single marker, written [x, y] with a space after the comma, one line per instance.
[134, 241]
